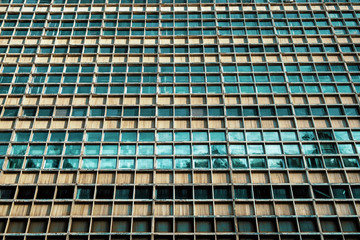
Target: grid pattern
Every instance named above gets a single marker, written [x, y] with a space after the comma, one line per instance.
[179, 120]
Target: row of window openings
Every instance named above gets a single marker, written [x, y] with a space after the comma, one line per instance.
[169, 89]
[171, 32]
[273, 78]
[299, 48]
[191, 15]
[177, 15]
[180, 163]
[183, 136]
[181, 24]
[184, 111]
[185, 225]
[213, 68]
[180, 149]
[182, 192]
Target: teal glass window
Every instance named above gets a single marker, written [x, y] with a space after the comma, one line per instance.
[164, 149]
[200, 136]
[271, 136]
[200, 149]
[70, 163]
[19, 137]
[203, 163]
[218, 149]
[72, 149]
[39, 136]
[33, 163]
[92, 149]
[89, 163]
[54, 149]
[237, 149]
[37, 150]
[18, 149]
[182, 149]
[145, 163]
[127, 149]
[220, 163]
[289, 136]
[108, 163]
[255, 149]
[15, 163]
[145, 149]
[183, 163]
[52, 163]
[126, 163]
[182, 136]
[109, 149]
[217, 136]
[164, 163]
[239, 163]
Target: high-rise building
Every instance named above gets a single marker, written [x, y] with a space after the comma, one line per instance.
[179, 120]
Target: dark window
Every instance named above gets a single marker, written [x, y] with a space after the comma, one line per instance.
[225, 225]
[85, 193]
[302, 111]
[165, 112]
[183, 193]
[325, 135]
[262, 192]
[121, 225]
[350, 225]
[267, 225]
[45, 192]
[222, 193]
[203, 193]
[162, 225]
[37, 226]
[329, 225]
[204, 225]
[104, 192]
[141, 225]
[80, 225]
[184, 225]
[164, 193]
[100, 225]
[7, 192]
[124, 193]
[284, 111]
[184, 111]
[246, 225]
[65, 192]
[341, 192]
[143, 193]
[243, 192]
[146, 112]
[281, 192]
[247, 111]
[27, 192]
[301, 191]
[314, 162]
[267, 111]
[321, 192]
[355, 191]
[308, 225]
[17, 226]
[233, 111]
[131, 111]
[58, 225]
[287, 225]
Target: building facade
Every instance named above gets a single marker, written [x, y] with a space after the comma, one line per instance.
[179, 120]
